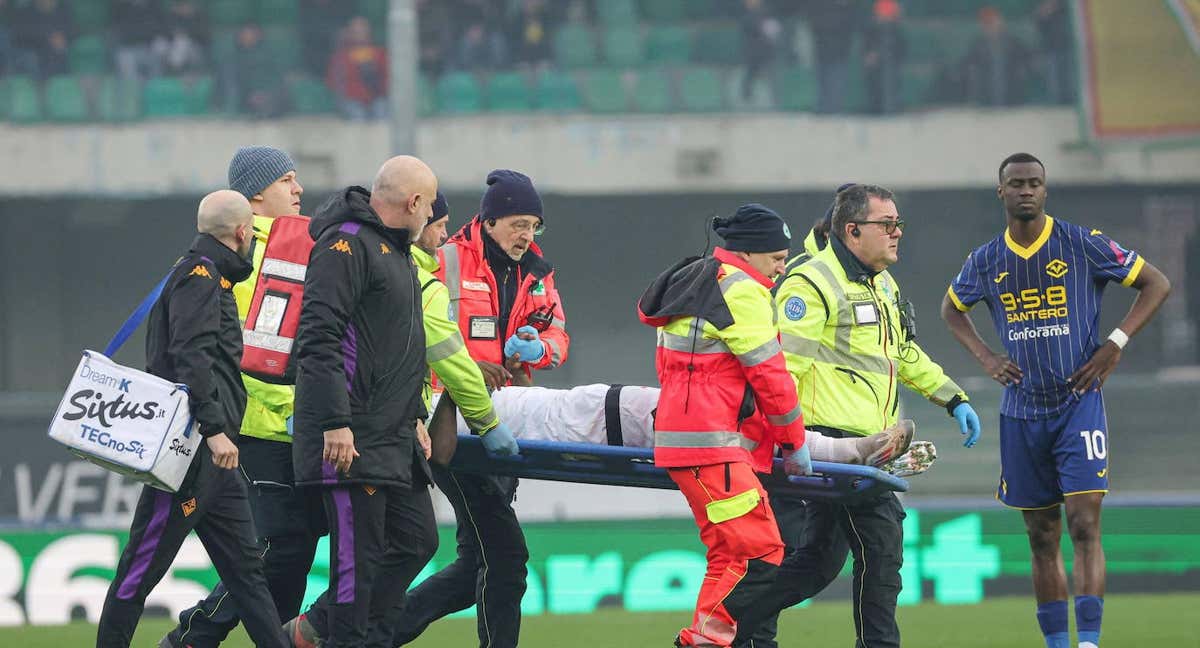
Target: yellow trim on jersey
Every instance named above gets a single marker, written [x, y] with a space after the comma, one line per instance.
[1026, 508]
[1026, 252]
[957, 302]
[1098, 490]
[1133, 274]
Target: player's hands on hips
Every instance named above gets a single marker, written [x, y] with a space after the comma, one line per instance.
[525, 345]
[499, 441]
[423, 439]
[494, 376]
[968, 423]
[799, 463]
[224, 451]
[1002, 369]
[1096, 370]
[339, 449]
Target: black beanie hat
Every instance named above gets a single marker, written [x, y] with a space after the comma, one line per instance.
[753, 228]
[441, 208]
[509, 193]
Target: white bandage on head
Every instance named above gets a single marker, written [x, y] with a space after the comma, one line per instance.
[1119, 338]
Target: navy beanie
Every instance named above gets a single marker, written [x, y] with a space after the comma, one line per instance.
[829, 212]
[509, 193]
[254, 168]
[753, 228]
[441, 208]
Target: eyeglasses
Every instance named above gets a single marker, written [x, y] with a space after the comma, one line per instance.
[889, 226]
[522, 227]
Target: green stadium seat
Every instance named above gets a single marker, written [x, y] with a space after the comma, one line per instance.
[88, 55]
[119, 100]
[89, 15]
[278, 12]
[664, 10]
[375, 11]
[720, 43]
[165, 97]
[702, 9]
[66, 100]
[426, 97]
[283, 42]
[231, 13]
[199, 95]
[671, 44]
[574, 46]
[459, 93]
[796, 89]
[508, 92]
[617, 12]
[310, 96]
[557, 92]
[3, 99]
[623, 46]
[701, 90]
[604, 91]
[916, 82]
[24, 100]
[652, 92]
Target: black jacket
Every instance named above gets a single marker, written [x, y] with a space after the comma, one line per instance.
[193, 335]
[361, 346]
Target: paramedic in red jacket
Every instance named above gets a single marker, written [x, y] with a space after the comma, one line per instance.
[726, 393]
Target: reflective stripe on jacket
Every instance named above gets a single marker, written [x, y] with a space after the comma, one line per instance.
[717, 380]
[473, 300]
[447, 354]
[847, 349]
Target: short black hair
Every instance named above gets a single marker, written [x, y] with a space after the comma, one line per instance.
[852, 204]
[1018, 158]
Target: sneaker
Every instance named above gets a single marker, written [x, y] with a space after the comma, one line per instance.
[302, 634]
[890, 443]
[918, 459]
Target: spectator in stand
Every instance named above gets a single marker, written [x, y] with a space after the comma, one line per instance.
[180, 49]
[762, 35]
[43, 31]
[253, 77]
[884, 52]
[358, 73]
[6, 44]
[833, 25]
[529, 33]
[434, 24]
[482, 45]
[136, 23]
[316, 18]
[1053, 21]
[997, 64]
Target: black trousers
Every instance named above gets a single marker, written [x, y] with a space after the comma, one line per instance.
[873, 531]
[289, 520]
[380, 539]
[489, 571]
[213, 502]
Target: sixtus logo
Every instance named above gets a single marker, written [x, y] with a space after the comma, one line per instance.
[91, 403]
[102, 438]
[179, 449]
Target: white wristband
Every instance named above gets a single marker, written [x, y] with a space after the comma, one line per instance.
[1119, 338]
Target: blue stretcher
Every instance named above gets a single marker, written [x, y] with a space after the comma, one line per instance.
[588, 463]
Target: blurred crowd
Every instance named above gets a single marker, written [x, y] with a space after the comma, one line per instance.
[845, 43]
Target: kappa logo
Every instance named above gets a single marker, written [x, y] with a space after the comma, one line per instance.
[188, 507]
[225, 284]
[384, 249]
[370, 490]
[1095, 232]
[1000, 277]
[1057, 268]
[200, 271]
[1102, 473]
[342, 246]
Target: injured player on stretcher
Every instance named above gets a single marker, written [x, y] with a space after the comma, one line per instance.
[624, 416]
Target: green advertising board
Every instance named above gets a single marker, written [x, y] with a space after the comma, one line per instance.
[950, 557]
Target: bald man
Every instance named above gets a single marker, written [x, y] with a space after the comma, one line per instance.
[361, 353]
[193, 337]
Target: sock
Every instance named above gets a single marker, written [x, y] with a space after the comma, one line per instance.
[1052, 617]
[1088, 612]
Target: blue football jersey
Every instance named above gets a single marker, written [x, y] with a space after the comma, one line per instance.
[1045, 305]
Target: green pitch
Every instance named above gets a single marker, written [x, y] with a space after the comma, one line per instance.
[1129, 620]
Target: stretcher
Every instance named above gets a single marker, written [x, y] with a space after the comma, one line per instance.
[588, 463]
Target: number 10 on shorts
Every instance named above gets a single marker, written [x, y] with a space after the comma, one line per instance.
[1093, 441]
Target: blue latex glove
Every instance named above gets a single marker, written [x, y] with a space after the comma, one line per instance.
[530, 350]
[288, 423]
[499, 441]
[799, 463]
[968, 423]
